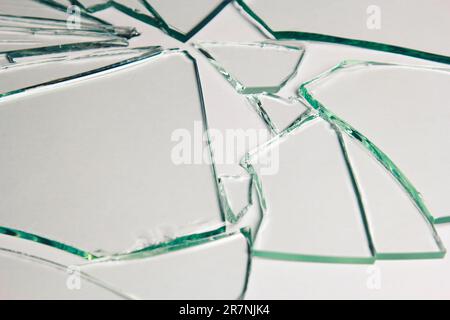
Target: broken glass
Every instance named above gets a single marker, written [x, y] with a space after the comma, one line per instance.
[48, 11]
[299, 223]
[388, 209]
[179, 19]
[91, 169]
[277, 112]
[183, 19]
[240, 64]
[418, 29]
[16, 41]
[399, 114]
[24, 73]
[28, 277]
[211, 268]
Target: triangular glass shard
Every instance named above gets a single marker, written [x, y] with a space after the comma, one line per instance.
[278, 113]
[26, 73]
[242, 64]
[215, 268]
[400, 114]
[398, 229]
[84, 162]
[183, 19]
[29, 278]
[237, 195]
[383, 25]
[311, 210]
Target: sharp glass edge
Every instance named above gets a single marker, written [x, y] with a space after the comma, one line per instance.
[307, 117]
[64, 268]
[306, 36]
[154, 51]
[234, 81]
[156, 20]
[353, 133]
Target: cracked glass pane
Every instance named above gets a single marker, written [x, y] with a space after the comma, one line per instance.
[404, 126]
[25, 73]
[240, 64]
[212, 268]
[419, 29]
[86, 165]
[311, 212]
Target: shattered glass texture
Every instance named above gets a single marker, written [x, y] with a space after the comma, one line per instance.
[170, 150]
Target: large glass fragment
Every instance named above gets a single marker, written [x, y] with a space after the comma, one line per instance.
[311, 210]
[212, 268]
[242, 64]
[397, 228]
[24, 73]
[400, 114]
[96, 163]
[417, 29]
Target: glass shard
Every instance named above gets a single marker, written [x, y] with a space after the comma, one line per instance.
[26, 277]
[242, 64]
[277, 112]
[404, 126]
[398, 229]
[85, 163]
[384, 25]
[213, 269]
[182, 19]
[25, 73]
[311, 210]
[36, 42]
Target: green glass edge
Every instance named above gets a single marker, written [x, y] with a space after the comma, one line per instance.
[181, 241]
[307, 36]
[311, 258]
[157, 20]
[330, 117]
[305, 118]
[184, 37]
[235, 83]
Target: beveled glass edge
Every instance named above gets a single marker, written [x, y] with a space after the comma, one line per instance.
[235, 83]
[306, 36]
[353, 133]
[192, 237]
